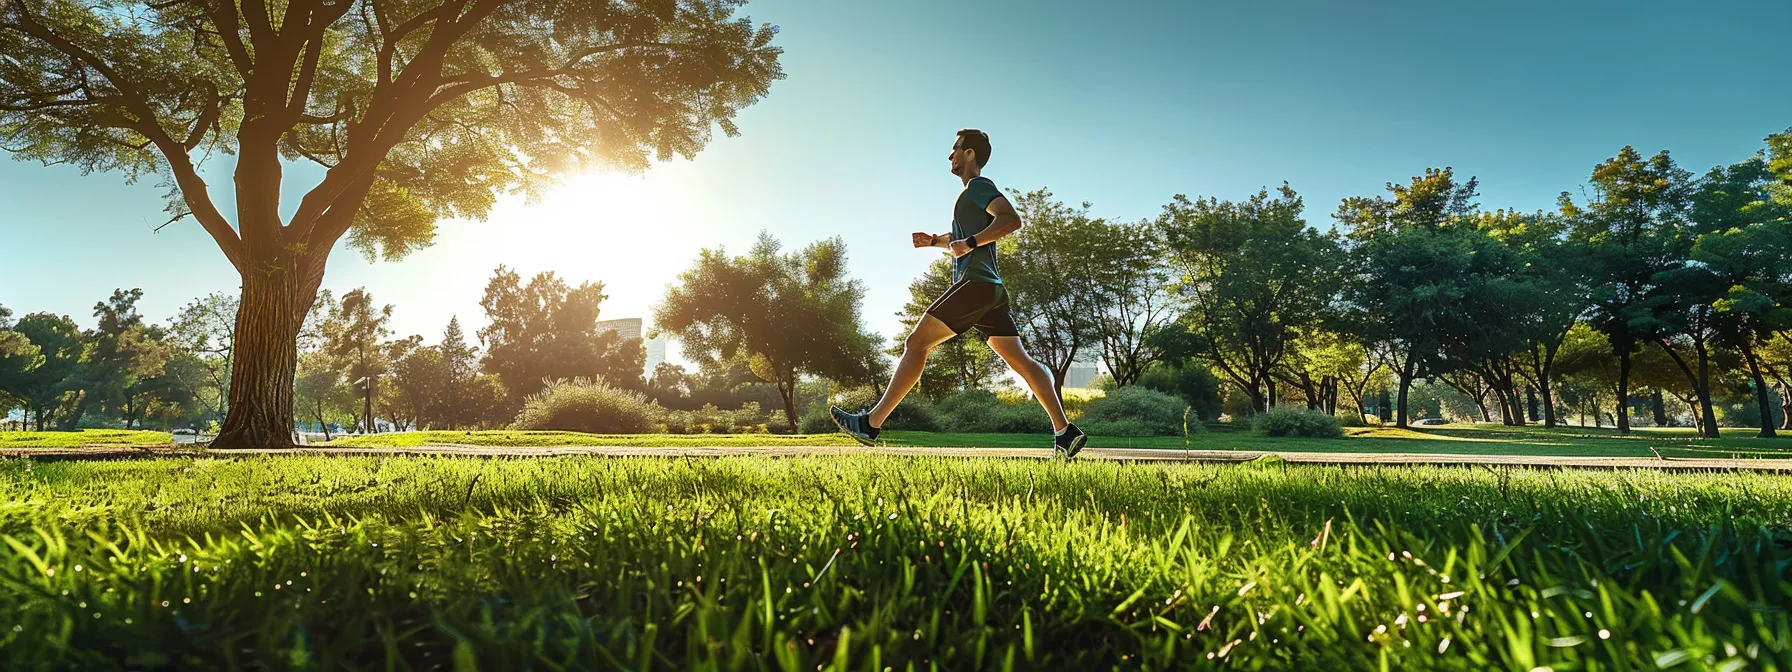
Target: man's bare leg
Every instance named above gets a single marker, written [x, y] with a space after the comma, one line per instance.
[928, 334]
[1038, 378]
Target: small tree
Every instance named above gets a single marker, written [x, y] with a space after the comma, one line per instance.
[781, 315]
[355, 338]
[547, 330]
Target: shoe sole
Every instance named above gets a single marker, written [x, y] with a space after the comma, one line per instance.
[843, 430]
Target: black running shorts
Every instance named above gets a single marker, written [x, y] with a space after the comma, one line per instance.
[983, 305]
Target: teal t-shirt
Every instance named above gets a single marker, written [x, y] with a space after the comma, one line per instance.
[970, 217]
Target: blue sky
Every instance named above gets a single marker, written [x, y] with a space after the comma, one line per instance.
[1122, 104]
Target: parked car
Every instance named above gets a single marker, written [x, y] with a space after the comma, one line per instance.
[185, 432]
[1431, 421]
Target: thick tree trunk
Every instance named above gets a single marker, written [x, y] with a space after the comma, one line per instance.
[1530, 401]
[1754, 372]
[273, 304]
[1659, 408]
[788, 392]
[1406, 375]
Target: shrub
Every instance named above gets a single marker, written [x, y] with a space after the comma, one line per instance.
[981, 411]
[1351, 420]
[1191, 381]
[1138, 409]
[584, 405]
[1298, 422]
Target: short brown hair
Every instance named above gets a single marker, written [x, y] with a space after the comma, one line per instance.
[976, 141]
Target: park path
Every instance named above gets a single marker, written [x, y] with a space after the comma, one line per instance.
[1112, 454]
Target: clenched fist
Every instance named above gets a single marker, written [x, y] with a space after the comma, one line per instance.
[923, 239]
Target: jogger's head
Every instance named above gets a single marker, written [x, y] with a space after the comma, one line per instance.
[970, 149]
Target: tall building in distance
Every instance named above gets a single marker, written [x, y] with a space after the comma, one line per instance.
[1080, 374]
[632, 327]
[627, 327]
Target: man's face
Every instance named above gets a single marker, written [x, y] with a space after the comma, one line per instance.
[958, 157]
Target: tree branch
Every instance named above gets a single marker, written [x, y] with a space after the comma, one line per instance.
[179, 162]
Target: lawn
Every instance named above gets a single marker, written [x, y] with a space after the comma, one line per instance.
[86, 437]
[871, 563]
[1447, 439]
[537, 439]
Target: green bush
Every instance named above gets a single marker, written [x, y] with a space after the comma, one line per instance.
[1135, 409]
[711, 420]
[585, 405]
[981, 411]
[1191, 381]
[1297, 422]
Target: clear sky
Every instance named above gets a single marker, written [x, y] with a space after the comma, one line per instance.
[1122, 104]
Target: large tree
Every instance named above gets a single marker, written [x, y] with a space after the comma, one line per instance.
[1253, 274]
[780, 315]
[43, 379]
[416, 111]
[1416, 273]
[1046, 266]
[1132, 282]
[1630, 226]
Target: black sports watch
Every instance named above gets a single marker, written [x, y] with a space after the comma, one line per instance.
[971, 240]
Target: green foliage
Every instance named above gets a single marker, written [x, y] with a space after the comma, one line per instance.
[592, 406]
[1134, 411]
[1193, 382]
[1297, 422]
[959, 563]
[779, 315]
[547, 330]
[711, 420]
[982, 411]
[1253, 274]
[1054, 297]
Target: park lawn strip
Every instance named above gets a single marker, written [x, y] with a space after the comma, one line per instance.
[85, 437]
[866, 562]
[1447, 440]
[544, 439]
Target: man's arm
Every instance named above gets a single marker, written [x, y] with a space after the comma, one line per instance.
[1006, 221]
[925, 239]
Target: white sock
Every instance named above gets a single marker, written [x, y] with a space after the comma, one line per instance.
[1061, 431]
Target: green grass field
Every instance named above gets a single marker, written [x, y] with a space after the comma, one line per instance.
[874, 563]
[97, 437]
[1447, 439]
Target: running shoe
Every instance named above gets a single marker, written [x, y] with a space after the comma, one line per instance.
[856, 425]
[1070, 442]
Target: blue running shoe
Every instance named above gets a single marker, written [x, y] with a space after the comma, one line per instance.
[856, 425]
[1070, 442]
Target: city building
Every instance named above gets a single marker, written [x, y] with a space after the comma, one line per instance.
[632, 327]
[1081, 374]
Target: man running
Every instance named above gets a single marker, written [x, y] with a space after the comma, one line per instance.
[975, 299]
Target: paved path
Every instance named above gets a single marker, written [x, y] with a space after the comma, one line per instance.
[1115, 454]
